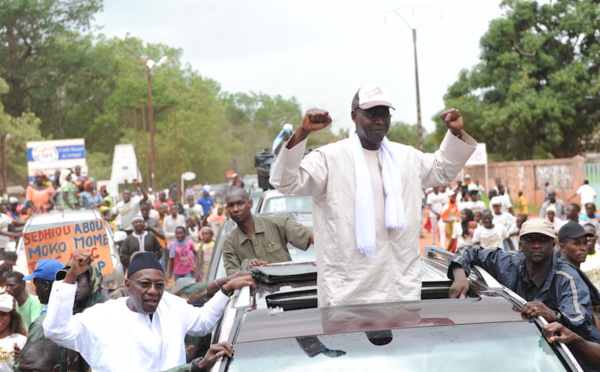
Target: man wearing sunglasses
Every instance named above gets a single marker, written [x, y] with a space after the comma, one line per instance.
[366, 196]
[553, 287]
[142, 332]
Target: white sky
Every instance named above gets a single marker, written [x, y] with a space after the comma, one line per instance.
[321, 52]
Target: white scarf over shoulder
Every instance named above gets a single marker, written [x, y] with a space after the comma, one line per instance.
[365, 205]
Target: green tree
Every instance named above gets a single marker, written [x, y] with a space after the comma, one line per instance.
[408, 135]
[40, 50]
[254, 120]
[535, 92]
[21, 129]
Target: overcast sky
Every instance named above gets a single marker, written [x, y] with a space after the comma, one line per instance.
[321, 52]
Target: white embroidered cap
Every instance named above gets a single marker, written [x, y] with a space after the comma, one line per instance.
[370, 96]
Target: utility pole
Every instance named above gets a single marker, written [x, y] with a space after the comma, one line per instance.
[419, 122]
[151, 125]
[150, 64]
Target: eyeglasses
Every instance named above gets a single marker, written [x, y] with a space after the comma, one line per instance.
[145, 284]
[542, 239]
[373, 115]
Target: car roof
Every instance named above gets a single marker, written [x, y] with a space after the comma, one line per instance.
[59, 218]
[260, 325]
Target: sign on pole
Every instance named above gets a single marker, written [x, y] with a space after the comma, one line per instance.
[60, 243]
[48, 156]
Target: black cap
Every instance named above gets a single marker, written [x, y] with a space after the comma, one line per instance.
[572, 230]
[143, 260]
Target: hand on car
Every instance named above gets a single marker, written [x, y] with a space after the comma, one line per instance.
[256, 262]
[537, 308]
[460, 286]
[555, 332]
[239, 282]
[215, 352]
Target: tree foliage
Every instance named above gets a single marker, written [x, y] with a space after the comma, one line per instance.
[21, 129]
[408, 134]
[91, 86]
[534, 93]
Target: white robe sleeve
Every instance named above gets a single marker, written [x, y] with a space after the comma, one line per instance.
[201, 321]
[60, 325]
[291, 174]
[441, 167]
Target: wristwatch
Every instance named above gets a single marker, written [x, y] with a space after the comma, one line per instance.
[226, 292]
[195, 363]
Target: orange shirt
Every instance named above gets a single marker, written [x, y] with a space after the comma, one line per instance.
[39, 198]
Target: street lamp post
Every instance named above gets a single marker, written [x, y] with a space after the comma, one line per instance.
[187, 176]
[149, 64]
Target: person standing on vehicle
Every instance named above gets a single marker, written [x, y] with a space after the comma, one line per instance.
[259, 239]
[139, 240]
[142, 332]
[553, 288]
[367, 244]
[129, 207]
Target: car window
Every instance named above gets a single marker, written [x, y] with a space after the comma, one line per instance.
[291, 203]
[475, 347]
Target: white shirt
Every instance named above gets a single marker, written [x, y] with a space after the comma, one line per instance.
[506, 204]
[171, 224]
[127, 211]
[6, 347]
[4, 222]
[478, 206]
[435, 202]
[111, 337]
[490, 238]
[504, 219]
[345, 275]
[457, 233]
[587, 194]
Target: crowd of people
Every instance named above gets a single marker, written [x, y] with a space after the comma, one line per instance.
[366, 192]
[550, 261]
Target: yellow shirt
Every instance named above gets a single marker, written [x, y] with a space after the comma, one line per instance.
[522, 205]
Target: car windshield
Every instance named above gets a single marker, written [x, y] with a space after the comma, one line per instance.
[289, 203]
[474, 347]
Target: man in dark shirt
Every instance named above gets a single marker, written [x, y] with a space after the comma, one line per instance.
[139, 240]
[552, 286]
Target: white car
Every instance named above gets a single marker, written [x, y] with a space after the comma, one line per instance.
[54, 219]
[272, 201]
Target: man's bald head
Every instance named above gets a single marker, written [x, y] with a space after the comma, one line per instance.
[237, 192]
[40, 355]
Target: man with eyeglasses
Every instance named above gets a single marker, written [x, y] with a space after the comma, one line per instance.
[142, 332]
[366, 199]
[553, 287]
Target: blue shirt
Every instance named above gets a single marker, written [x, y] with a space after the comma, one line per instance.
[206, 203]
